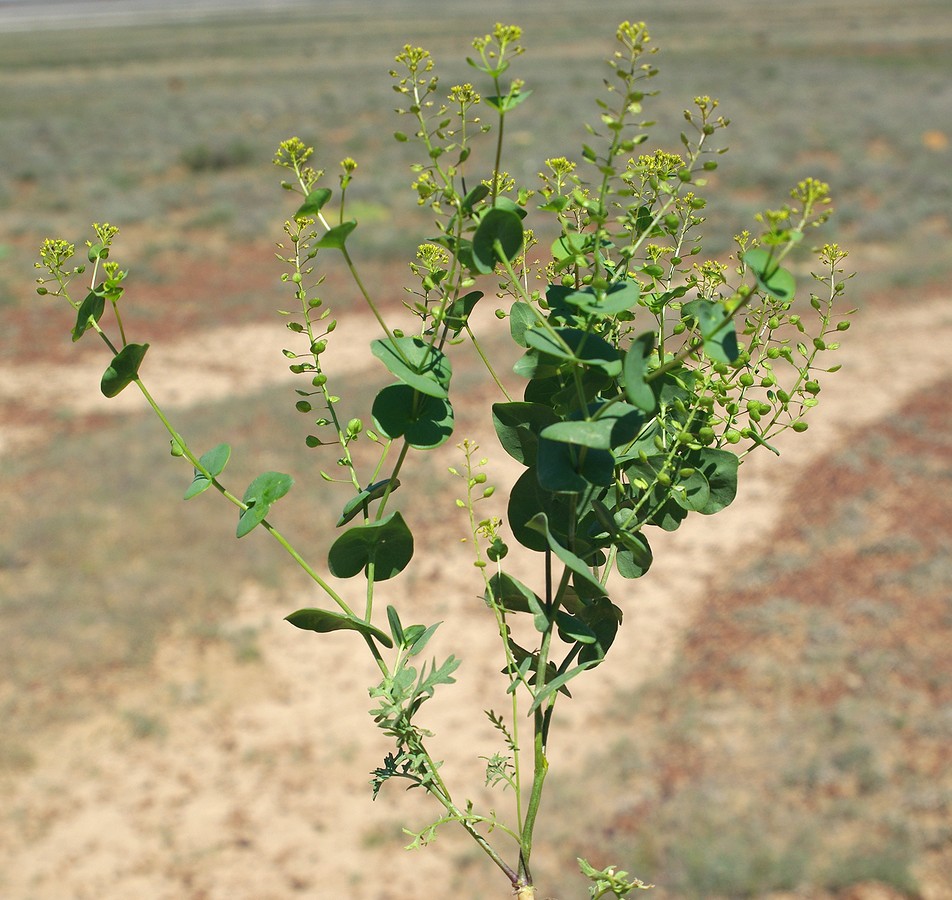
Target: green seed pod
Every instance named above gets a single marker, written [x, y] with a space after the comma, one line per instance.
[800, 427]
[732, 436]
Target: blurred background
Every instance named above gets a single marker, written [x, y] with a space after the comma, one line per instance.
[782, 725]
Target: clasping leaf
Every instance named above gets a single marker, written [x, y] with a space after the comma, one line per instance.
[261, 493]
[123, 370]
[387, 544]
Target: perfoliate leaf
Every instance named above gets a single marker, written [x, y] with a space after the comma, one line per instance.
[526, 500]
[507, 102]
[480, 192]
[572, 629]
[261, 493]
[770, 275]
[634, 370]
[374, 492]
[514, 596]
[458, 313]
[619, 297]
[568, 469]
[313, 203]
[337, 236]
[123, 370]
[719, 468]
[387, 544]
[577, 346]
[618, 425]
[518, 426]
[694, 492]
[90, 309]
[635, 557]
[498, 237]
[716, 328]
[324, 621]
[401, 411]
[603, 618]
[214, 461]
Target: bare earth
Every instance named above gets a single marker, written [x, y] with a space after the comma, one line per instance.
[258, 786]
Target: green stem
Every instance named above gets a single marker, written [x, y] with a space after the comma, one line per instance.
[487, 364]
[283, 541]
[369, 301]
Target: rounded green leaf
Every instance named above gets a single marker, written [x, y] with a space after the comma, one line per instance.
[719, 467]
[694, 492]
[770, 275]
[635, 368]
[603, 618]
[425, 422]
[498, 237]
[618, 298]
[716, 328]
[618, 425]
[634, 558]
[518, 425]
[576, 345]
[568, 469]
[387, 545]
[521, 317]
[526, 500]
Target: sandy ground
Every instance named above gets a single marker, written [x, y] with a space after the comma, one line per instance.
[256, 785]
